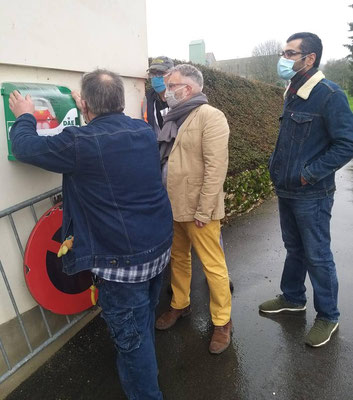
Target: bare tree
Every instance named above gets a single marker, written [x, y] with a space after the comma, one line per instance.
[268, 48]
[264, 62]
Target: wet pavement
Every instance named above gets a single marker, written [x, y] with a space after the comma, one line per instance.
[267, 358]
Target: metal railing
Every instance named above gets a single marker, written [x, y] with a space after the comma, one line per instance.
[8, 212]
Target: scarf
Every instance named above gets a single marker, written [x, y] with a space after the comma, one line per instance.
[299, 79]
[173, 121]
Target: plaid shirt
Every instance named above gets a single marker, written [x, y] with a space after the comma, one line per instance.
[136, 273]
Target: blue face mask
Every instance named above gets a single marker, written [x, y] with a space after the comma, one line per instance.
[285, 68]
[158, 83]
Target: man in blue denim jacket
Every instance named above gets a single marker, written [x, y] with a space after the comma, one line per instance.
[315, 140]
[118, 211]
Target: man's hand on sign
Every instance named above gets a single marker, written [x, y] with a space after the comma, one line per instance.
[20, 105]
[81, 105]
[77, 97]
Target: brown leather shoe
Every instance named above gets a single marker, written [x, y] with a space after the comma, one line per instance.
[220, 338]
[169, 318]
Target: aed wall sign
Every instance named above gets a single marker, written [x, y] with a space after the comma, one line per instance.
[55, 109]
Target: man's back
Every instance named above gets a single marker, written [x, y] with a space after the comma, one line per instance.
[117, 210]
[114, 200]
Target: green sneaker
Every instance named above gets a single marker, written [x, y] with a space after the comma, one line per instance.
[280, 304]
[320, 333]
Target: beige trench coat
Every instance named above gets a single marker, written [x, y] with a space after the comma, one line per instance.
[197, 166]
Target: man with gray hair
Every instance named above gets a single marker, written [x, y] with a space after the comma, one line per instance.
[116, 209]
[194, 156]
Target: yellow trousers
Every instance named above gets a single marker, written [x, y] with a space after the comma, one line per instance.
[206, 242]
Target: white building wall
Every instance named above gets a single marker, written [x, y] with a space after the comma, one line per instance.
[75, 35]
[55, 42]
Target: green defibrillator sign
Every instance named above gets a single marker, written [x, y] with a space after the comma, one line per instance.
[55, 109]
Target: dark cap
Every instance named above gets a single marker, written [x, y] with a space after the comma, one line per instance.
[161, 64]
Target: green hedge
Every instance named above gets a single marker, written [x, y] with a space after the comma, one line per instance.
[252, 110]
[246, 190]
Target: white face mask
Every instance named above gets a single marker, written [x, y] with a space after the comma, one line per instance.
[171, 99]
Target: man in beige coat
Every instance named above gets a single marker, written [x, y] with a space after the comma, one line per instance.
[194, 157]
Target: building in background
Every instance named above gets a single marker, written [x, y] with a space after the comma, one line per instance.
[197, 53]
[239, 66]
[261, 68]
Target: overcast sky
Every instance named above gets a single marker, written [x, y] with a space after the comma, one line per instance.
[232, 28]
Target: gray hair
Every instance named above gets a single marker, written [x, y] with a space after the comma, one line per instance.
[103, 91]
[191, 72]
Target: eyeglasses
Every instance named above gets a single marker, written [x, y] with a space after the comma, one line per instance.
[290, 53]
[171, 86]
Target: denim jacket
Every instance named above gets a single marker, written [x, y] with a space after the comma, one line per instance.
[315, 140]
[114, 202]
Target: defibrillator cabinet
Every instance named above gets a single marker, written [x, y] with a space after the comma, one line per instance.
[55, 109]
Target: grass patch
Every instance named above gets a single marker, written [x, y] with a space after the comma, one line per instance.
[350, 100]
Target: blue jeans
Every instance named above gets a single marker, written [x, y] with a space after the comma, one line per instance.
[305, 228]
[129, 311]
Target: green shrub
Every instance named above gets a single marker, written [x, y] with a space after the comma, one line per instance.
[246, 190]
[252, 110]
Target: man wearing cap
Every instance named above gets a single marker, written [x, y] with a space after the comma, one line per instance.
[154, 105]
